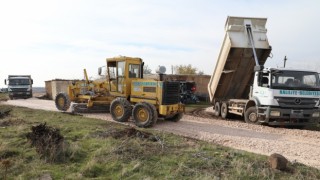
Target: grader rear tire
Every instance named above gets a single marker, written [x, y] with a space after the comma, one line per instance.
[62, 101]
[154, 112]
[120, 109]
[143, 115]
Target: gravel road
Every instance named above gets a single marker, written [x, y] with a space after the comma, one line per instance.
[297, 145]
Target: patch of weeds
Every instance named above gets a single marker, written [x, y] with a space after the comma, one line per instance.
[126, 133]
[11, 122]
[5, 154]
[93, 171]
[4, 111]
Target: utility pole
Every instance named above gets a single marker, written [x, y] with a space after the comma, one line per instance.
[284, 61]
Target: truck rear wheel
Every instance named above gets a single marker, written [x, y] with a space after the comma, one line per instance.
[224, 111]
[251, 116]
[143, 115]
[120, 109]
[62, 101]
[217, 109]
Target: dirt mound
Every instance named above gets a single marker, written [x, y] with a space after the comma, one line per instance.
[47, 140]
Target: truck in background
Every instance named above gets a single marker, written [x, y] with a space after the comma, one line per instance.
[241, 85]
[19, 86]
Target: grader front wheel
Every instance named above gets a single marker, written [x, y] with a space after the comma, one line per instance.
[120, 110]
[62, 101]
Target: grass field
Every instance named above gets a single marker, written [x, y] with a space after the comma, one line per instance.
[191, 107]
[4, 97]
[104, 150]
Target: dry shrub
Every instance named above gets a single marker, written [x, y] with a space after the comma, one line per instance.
[48, 141]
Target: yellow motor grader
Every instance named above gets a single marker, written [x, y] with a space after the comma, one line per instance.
[125, 93]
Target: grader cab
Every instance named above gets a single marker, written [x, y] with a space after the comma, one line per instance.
[125, 93]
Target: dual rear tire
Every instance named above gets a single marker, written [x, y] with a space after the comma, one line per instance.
[221, 109]
[144, 114]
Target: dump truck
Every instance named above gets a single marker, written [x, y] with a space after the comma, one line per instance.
[19, 86]
[125, 93]
[241, 85]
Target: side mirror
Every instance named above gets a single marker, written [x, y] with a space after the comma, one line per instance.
[31, 81]
[99, 70]
[5, 82]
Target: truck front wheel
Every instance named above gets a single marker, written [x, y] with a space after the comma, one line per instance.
[251, 116]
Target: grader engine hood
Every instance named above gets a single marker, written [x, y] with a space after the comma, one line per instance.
[157, 92]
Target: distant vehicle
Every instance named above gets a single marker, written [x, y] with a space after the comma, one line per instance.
[187, 92]
[19, 86]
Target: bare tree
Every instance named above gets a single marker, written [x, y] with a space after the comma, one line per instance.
[185, 69]
[146, 69]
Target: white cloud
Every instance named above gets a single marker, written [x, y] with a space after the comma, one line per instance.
[57, 39]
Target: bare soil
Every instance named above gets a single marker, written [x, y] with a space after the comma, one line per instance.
[297, 145]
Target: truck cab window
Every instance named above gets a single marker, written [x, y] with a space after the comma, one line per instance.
[263, 79]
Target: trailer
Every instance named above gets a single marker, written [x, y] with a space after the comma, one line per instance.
[241, 85]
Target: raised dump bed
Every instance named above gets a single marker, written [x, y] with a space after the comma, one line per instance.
[234, 71]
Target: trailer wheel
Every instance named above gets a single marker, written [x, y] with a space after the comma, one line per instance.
[251, 116]
[62, 101]
[175, 118]
[120, 109]
[143, 115]
[217, 109]
[224, 111]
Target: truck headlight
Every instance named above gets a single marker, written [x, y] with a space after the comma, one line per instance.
[316, 114]
[275, 113]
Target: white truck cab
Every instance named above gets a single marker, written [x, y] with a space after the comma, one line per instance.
[286, 96]
[19, 86]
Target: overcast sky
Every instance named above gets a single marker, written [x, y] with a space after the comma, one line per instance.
[59, 38]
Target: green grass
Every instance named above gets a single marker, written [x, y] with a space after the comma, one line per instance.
[4, 97]
[191, 107]
[91, 151]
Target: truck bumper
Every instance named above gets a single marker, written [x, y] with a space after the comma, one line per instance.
[20, 94]
[290, 117]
